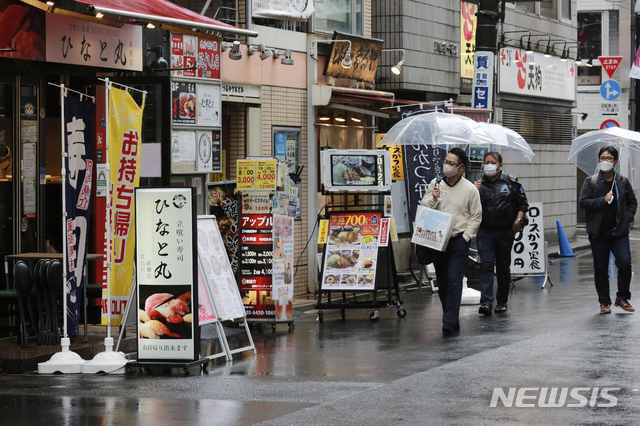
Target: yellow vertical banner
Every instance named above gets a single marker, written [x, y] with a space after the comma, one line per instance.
[125, 126]
[468, 23]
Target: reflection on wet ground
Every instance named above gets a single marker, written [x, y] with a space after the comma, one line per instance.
[391, 371]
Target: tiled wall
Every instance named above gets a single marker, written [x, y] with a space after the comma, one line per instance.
[237, 133]
[283, 106]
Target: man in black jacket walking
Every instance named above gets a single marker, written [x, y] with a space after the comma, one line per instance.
[611, 204]
[504, 205]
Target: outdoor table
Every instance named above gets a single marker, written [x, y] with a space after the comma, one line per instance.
[32, 258]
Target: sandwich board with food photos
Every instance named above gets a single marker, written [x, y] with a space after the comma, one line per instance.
[358, 257]
[166, 277]
[219, 281]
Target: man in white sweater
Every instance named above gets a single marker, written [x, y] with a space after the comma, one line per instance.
[455, 195]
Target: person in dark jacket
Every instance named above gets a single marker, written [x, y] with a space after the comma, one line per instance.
[504, 205]
[611, 205]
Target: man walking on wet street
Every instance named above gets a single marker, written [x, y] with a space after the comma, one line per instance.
[611, 204]
[504, 205]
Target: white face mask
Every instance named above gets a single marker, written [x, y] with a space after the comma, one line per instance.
[491, 170]
[606, 166]
[450, 171]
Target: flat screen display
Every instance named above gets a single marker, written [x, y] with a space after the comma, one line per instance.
[356, 170]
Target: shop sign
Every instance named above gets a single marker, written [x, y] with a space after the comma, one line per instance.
[23, 28]
[365, 54]
[482, 80]
[166, 264]
[275, 9]
[610, 108]
[323, 231]
[266, 175]
[223, 204]
[532, 74]
[209, 105]
[246, 175]
[468, 24]
[183, 101]
[205, 155]
[352, 251]
[196, 57]
[80, 42]
[241, 90]
[527, 254]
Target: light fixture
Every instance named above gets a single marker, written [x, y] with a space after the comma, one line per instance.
[287, 59]
[50, 3]
[150, 26]
[356, 119]
[502, 38]
[264, 52]
[340, 118]
[397, 68]
[224, 46]
[252, 49]
[346, 60]
[277, 53]
[590, 62]
[99, 15]
[235, 53]
[584, 117]
[324, 116]
[159, 63]
[547, 53]
[528, 49]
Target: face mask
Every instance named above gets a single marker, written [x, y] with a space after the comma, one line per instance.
[606, 166]
[491, 170]
[449, 170]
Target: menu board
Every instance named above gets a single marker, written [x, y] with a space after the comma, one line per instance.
[184, 104]
[200, 54]
[352, 250]
[527, 253]
[206, 313]
[216, 270]
[282, 281]
[166, 274]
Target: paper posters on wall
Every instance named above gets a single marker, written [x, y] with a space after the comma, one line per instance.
[184, 102]
[352, 251]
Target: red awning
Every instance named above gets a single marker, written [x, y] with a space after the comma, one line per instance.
[161, 11]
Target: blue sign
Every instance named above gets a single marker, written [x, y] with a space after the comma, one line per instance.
[481, 97]
[610, 90]
[281, 146]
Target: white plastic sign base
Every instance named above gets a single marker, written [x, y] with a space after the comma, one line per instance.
[65, 362]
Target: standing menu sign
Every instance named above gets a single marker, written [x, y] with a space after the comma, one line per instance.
[166, 274]
[352, 250]
[527, 254]
[282, 280]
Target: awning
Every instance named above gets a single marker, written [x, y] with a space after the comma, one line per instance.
[163, 13]
[321, 95]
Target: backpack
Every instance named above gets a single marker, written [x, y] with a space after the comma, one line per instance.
[594, 181]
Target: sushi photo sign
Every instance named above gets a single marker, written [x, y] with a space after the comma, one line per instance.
[166, 274]
[351, 252]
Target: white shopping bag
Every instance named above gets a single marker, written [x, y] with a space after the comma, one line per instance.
[432, 228]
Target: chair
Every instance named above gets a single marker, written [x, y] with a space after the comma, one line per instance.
[23, 283]
[56, 286]
[43, 312]
[46, 294]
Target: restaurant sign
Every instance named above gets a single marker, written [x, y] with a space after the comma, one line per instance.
[365, 54]
[79, 42]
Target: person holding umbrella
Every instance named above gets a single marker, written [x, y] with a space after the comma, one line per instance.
[504, 205]
[455, 195]
[611, 204]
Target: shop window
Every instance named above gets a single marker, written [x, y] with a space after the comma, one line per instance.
[549, 9]
[566, 9]
[286, 147]
[339, 15]
[590, 45]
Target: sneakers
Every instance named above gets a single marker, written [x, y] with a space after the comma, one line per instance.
[605, 308]
[485, 310]
[624, 304]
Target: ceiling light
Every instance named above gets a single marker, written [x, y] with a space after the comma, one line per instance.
[340, 118]
[264, 52]
[287, 59]
[99, 15]
[356, 119]
[346, 61]
[324, 117]
[235, 53]
[50, 3]
[150, 26]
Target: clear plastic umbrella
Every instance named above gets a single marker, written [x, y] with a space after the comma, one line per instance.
[437, 128]
[510, 144]
[585, 149]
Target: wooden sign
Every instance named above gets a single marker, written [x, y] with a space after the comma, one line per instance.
[365, 54]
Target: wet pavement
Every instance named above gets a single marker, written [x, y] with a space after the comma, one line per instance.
[393, 371]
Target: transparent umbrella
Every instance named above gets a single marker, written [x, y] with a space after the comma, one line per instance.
[584, 151]
[437, 128]
[510, 144]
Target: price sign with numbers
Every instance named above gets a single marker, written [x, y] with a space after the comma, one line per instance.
[266, 175]
[246, 175]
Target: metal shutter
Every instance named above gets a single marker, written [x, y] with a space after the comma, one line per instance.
[538, 127]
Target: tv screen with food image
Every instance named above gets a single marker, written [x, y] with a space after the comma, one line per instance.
[356, 170]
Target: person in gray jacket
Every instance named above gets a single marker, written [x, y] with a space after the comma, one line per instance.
[611, 205]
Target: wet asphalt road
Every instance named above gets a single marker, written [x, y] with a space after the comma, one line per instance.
[394, 371]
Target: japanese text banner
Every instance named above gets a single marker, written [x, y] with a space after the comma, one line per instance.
[125, 123]
[80, 137]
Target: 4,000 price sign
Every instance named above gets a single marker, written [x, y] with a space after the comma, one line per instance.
[266, 175]
[246, 175]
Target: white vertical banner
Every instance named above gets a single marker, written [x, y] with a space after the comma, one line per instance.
[527, 253]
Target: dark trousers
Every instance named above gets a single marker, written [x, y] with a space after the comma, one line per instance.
[450, 269]
[619, 246]
[494, 248]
